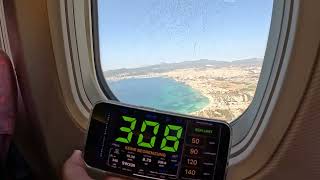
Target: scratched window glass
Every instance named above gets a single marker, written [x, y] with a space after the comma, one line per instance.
[197, 57]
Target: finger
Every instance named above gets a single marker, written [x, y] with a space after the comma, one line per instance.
[113, 178]
[74, 168]
[76, 159]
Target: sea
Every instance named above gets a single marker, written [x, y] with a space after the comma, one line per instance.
[160, 93]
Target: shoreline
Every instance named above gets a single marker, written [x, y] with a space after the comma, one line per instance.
[210, 98]
[205, 100]
[202, 92]
[207, 107]
[229, 90]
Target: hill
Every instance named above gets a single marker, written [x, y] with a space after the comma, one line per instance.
[166, 67]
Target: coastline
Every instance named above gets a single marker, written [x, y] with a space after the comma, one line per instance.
[229, 90]
[209, 106]
[167, 93]
[198, 90]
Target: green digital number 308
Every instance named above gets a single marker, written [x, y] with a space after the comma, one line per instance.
[155, 125]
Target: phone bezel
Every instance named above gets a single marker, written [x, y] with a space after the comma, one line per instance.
[99, 173]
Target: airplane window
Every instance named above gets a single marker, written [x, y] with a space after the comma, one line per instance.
[197, 57]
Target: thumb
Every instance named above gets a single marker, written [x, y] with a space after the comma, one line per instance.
[74, 168]
[113, 178]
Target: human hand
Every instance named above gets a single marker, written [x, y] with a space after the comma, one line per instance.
[75, 169]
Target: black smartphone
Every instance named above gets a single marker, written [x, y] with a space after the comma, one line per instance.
[143, 143]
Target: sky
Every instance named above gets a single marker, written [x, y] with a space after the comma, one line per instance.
[135, 33]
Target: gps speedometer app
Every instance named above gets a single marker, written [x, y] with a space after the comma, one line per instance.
[152, 145]
[143, 142]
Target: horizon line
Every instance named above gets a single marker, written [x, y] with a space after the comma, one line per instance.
[259, 58]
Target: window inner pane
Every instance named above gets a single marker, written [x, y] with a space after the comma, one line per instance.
[198, 57]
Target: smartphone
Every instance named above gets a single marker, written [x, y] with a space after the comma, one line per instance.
[141, 143]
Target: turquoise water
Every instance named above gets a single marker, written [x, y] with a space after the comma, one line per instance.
[160, 93]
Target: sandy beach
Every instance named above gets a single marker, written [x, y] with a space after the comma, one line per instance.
[229, 89]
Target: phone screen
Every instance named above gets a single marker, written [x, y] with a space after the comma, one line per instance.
[150, 144]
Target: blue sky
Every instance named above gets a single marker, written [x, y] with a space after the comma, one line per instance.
[136, 33]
